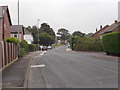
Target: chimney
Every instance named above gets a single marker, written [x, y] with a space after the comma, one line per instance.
[115, 21]
[96, 29]
[101, 27]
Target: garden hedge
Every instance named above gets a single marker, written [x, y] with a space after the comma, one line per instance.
[86, 44]
[32, 47]
[111, 43]
[12, 40]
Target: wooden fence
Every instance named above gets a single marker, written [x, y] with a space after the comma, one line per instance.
[8, 53]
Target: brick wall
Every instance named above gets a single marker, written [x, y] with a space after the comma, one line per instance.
[1, 29]
[6, 25]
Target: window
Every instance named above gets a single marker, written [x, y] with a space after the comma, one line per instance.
[15, 35]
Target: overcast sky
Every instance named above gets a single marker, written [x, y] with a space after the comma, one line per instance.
[74, 15]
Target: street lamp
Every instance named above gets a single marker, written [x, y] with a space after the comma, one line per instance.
[38, 32]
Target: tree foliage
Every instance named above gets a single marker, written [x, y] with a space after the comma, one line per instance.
[63, 34]
[78, 33]
[46, 39]
[36, 32]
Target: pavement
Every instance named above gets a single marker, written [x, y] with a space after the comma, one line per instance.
[63, 68]
[14, 76]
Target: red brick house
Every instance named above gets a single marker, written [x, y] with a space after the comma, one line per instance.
[115, 27]
[17, 31]
[97, 33]
[5, 22]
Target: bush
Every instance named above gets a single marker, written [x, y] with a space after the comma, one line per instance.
[12, 40]
[33, 47]
[86, 44]
[22, 52]
[24, 45]
[23, 48]
[111, 43]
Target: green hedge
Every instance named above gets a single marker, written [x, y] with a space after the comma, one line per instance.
[111, 43]
[86, 44]
[24, 45]
[12, 40]
[33, 47]
[23, 48]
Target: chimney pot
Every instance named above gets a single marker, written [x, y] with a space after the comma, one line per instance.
[101, 27]
[96, 29]
[115, 21]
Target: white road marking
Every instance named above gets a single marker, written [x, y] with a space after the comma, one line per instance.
[43, 53]
[37, 66]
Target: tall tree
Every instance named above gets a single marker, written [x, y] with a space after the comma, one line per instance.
[46, 39]
[78, 33]
[63, 34]
[36, 31]
[46, 28]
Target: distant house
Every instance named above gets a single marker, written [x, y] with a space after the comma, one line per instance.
[97, 33]
[17, 31]
[5, 22]
[28, 37]
[115, 27]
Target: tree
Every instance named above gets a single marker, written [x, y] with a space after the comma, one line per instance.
[63, 34]
[46, 28]
[46, 39]
[89, 35]
[78, 33]
[34, 30]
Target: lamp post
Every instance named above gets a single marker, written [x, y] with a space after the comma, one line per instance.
[38, 32]
[18, 33]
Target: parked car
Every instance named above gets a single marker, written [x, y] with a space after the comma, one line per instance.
[68, 45]
[49, 47]
[44, 48]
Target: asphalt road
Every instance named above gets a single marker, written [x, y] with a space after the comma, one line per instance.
[58, 68]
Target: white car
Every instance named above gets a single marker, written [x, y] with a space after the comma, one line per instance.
[49, 47]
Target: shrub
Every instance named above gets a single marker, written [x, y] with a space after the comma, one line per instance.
[87, 44]
[33, 47]
[111, 43]
[24, 45]
[12, 40]
[22, 52]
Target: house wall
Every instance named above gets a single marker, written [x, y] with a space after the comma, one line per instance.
[1, 29]
[6, 25]
[28, 38]
[22, 36]
[19, 36]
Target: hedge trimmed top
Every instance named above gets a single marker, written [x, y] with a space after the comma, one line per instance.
[111, 43]
[12, 40]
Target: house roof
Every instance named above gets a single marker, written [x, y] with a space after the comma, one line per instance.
[111, 27]
[17, 28]
[27, 32]
[101, 30]
[3, 9]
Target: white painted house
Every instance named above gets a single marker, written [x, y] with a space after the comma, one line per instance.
[28, 37]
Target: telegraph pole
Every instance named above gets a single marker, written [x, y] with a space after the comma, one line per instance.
[18, 12]
[38, 33]
[18, 33]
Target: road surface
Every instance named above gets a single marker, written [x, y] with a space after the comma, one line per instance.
[58, 68]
